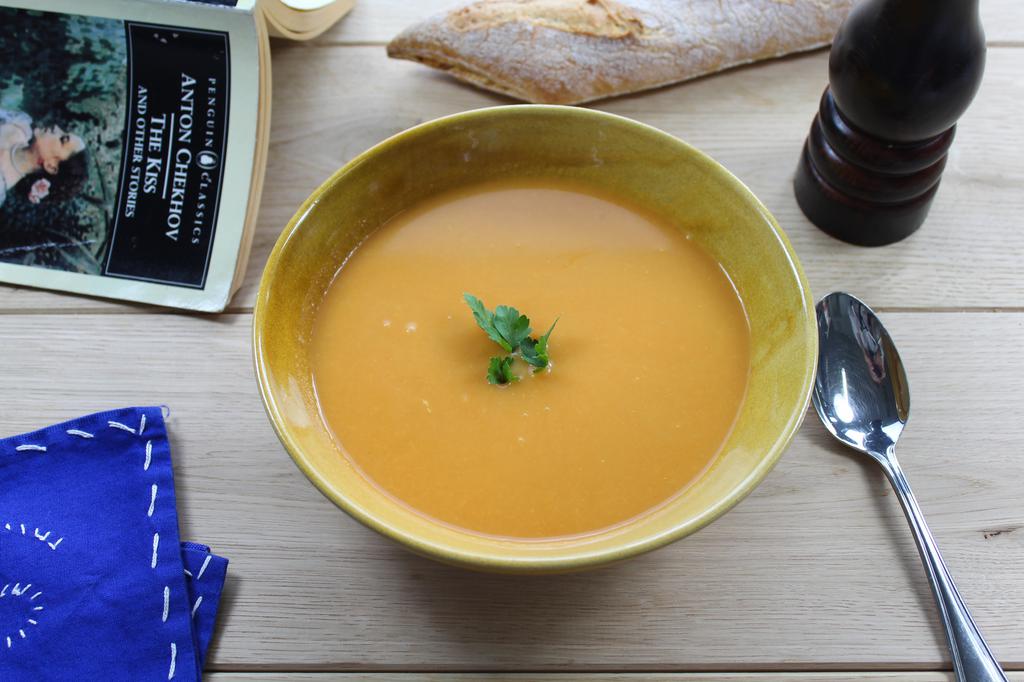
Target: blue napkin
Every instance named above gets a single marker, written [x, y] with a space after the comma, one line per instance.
[94, 581]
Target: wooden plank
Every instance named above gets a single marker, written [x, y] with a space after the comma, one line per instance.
[752, 120]
[380, 20]
[594, 677]
[816, 570]
[332, 103]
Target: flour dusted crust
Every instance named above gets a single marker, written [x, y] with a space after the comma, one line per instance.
[574, 51]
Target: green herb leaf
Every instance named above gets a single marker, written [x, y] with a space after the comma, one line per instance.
[528, 350]
[500, 371]
[485, 320]
[510, 329]
[536, 352]
[513, 326]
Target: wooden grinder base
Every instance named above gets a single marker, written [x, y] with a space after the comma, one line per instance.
[864, 190]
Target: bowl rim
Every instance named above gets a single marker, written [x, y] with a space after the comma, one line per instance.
[576, 557]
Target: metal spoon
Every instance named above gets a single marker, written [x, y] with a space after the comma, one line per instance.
[862, 397]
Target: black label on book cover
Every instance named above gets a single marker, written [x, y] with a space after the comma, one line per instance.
[173, 157]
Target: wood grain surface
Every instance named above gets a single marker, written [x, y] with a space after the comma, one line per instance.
[816, 569]
[814, 577]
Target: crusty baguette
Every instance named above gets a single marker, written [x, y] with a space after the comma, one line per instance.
[573, 51]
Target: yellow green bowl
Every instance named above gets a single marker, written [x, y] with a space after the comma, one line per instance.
[625, 158]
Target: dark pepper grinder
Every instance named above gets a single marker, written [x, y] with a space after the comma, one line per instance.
[901, 72]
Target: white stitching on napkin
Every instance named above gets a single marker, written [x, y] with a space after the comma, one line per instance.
[174, 654]
[156, 535]
[195, 606]
[202, 569]
[123, 427]
[18, 590]
[36, 534]
[156, 543]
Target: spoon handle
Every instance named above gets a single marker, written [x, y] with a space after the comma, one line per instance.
[972, 659]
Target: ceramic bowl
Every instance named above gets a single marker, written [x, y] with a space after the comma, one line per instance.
[624, 158]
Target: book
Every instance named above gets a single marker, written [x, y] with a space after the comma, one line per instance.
[303, 19]
[133, 142]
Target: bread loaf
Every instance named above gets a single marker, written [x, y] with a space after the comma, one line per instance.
[574, 51]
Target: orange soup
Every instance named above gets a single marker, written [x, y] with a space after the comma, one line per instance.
[649, 360]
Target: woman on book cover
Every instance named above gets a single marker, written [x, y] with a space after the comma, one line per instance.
[43, 163]
[62, 112]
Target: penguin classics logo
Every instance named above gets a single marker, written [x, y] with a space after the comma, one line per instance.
[207, 160]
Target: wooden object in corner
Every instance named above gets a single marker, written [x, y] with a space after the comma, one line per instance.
[901, 72]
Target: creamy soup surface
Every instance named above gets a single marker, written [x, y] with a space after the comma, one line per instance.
[649, 360]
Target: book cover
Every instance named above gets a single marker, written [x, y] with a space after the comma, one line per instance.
[127, 139]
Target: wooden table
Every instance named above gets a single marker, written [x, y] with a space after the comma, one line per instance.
[814, 577]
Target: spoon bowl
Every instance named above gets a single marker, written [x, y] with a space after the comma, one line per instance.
[860, 390]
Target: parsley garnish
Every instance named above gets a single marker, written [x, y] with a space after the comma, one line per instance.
[536, 352]
[500, 371]
[505, 325]
[510, 329]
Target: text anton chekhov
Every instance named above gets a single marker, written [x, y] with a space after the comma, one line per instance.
[156, 170]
